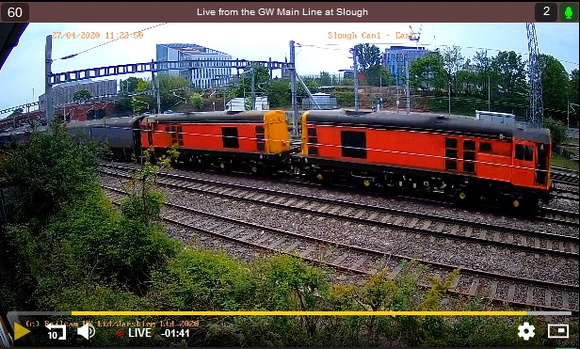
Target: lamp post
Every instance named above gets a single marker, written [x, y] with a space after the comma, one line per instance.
[488, 93]
[222, 87]
[449, 93]
[355, 67]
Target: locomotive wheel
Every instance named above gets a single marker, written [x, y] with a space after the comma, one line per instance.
[320, 177]
[515, 203]
[223, 166]
[254, 169]
[367, 183]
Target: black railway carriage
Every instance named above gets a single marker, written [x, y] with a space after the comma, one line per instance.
[463, 157]
[121, 134]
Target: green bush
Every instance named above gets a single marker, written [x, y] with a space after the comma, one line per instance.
[204, 280]
[51, 171]
[558, 131]
[344, 99]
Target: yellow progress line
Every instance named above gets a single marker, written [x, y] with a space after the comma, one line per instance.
[303, 313]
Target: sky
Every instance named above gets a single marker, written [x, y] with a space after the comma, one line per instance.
[322, 46]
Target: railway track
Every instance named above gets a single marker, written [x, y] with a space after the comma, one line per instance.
[426, 224]
[560, 216]
[565, 176]
[565, 193]
[517, 291]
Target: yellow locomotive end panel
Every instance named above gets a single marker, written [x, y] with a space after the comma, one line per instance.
[304, 146]
[276, 132]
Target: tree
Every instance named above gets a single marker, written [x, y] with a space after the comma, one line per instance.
[554, 87]
[509, 87]
[82, 95]
[346, 82]
[325, 79]
[427, 72]
[367, 56]
[279, 94]
[452, 62]
[510, 70]
[558, 131]
[197, 101]
[574, 96]
[143, 85]
[130, 84]
[467, 82]
[143, 103]
[378, 75]
[261, 78]
[312, 84]
[124, 104]
[50, 170]
[573, 90]
[173, 90]
[466, 79]
[483, 65]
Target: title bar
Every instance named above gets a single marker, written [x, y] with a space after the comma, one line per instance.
[270, 12]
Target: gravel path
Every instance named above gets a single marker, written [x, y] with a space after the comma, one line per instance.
[565, 204]
[395, 241]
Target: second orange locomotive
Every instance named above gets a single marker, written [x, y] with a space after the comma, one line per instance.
[463, 157]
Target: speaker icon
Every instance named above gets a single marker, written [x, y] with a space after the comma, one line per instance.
[87, 331]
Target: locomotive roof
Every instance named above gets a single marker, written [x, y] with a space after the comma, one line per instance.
[210, 117]
[106, 122]
[384, 119]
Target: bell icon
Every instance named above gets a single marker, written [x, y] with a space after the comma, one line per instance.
[87, 331]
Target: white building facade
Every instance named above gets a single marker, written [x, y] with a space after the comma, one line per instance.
[212, 70]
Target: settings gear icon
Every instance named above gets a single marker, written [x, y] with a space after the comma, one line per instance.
[526, 331]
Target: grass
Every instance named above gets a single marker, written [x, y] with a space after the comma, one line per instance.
[562, 161]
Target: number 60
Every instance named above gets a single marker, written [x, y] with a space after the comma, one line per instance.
[14, 12]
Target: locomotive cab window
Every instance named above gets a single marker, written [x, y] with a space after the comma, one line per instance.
[451, 143]
[451, 165]
[354, 144]
[468, 145]
[469, 155]
[524, 152]
[469, 167]
[180, 135]
[451, 153]
[230, 137]
[485, 147]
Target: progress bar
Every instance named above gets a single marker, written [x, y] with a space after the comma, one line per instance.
[287, 313]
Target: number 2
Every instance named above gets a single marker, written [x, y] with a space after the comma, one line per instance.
[547, 10]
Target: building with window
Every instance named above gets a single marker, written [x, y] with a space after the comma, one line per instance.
[62, 94]
[211, 72]
[398, 58]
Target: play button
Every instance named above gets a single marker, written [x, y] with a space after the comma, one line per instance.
[20, 331]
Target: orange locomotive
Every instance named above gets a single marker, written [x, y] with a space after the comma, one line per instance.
[460, 157]
[251, 140]
[463, 157]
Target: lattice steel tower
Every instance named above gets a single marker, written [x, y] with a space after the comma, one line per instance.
[536, 118]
